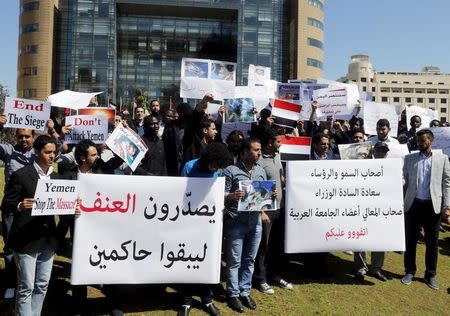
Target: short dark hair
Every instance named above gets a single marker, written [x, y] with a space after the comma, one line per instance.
[204, 123]
[434, 122]
[318, 137]
[41, 141]
[354, 119]
[139, 107]
[218, 153]
[427, 132]
[24, 129]
[247, 143]
[358, 130]
[383, 122]
[414, 117]
[233, 133]
[266, 134]
[147, 120]
[81, 150]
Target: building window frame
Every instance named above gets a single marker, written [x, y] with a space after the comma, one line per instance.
[314, 63]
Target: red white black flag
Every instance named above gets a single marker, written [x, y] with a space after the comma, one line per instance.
[295, 148]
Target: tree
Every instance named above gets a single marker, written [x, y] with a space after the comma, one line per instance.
[141, 97]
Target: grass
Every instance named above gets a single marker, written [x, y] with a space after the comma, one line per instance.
[339, 295]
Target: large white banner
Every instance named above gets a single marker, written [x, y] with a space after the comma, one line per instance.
[24, 113]
[71, 99]
[144, 229]
[375, 111]
[344, 205]
[202, 76]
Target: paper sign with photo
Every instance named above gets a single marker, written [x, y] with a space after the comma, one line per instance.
[355, 151]
[126, 144]
[258, 196]
[257, 75]
[239, 110]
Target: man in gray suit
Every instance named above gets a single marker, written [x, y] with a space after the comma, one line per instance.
[427, 193]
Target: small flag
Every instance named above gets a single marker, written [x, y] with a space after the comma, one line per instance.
[295, 148]
[286, 113]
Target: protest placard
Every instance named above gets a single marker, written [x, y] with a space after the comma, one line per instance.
[24, 113]
[92, 127]
[71, 99]
[213, 110]
[257, 75]
[344, 205]
[144, 229]
[259, 94]
[227, 128]
[333, 101]
[239, 110]
[126, 144]
[375, 111]
[55, 197]
[426, 115]
[110, 114]
[355, 151]
[202, 76]
[258, 195]
[441, 139]
[288, 91]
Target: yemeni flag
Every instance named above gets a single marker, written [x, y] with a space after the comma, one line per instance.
[286, 113]
[295, 148]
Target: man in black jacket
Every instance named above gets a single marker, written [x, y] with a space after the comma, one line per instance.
[32, 238]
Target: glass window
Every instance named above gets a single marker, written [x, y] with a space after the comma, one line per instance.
[396, 99]
[29, 93]
[363, 79]
[373, 89]
[84, 75]
[315, 23]
[443, 110]
[28, 28]
[419, 100]
[444, 101]
[431, 100]
[29, 6]
[29, 49]
[316, 3]
[314, 63]
[315, 42]
[408, 100]
[103, 10]
[384, 99]
[29, 71]
[364, 89]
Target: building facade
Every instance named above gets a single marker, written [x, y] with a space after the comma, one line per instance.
[118, 46]
[429, 88]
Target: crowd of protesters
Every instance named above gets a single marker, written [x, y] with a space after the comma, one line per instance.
[188, 142]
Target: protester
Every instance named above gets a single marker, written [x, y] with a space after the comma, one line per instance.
[383, 128]
[426, 177]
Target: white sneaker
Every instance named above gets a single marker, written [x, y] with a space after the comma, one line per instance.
[9, 293]
[283, 283]
[266, 289]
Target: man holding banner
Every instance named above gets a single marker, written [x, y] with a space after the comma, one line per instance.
[427, 192]
[33, 239]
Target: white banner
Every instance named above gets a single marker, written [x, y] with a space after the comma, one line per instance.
[375, 111]
[92, 127]
[344, 205]
[333, 101]
[426, 115]
[24, 113]
[54, 197]
[126, 144]
[71, 99]
[145, 229]
[202, 76]
[441, 139]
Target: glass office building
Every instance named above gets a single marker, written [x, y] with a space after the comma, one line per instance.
[118, 46]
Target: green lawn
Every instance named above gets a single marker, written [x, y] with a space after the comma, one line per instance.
[340, 295]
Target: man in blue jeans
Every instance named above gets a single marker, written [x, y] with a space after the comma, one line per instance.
[32, 238]
[241, 230]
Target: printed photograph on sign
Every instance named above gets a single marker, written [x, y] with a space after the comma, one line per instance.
[108, 112]
[355, 151]
[258, 196]
[288, 91]
[222, 71]
[196, 69]
[239, 110]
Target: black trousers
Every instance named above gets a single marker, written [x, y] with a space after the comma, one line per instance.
[270, 259]
[421, 214]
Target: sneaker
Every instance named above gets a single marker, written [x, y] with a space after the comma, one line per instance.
[265, 288]
[407, 279]
[283, 283]
[432, 282]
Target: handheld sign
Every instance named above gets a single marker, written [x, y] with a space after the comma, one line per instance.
[55, 197]
[90, 127]
[24, 113]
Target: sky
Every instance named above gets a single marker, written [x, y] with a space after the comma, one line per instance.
[398, 35]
